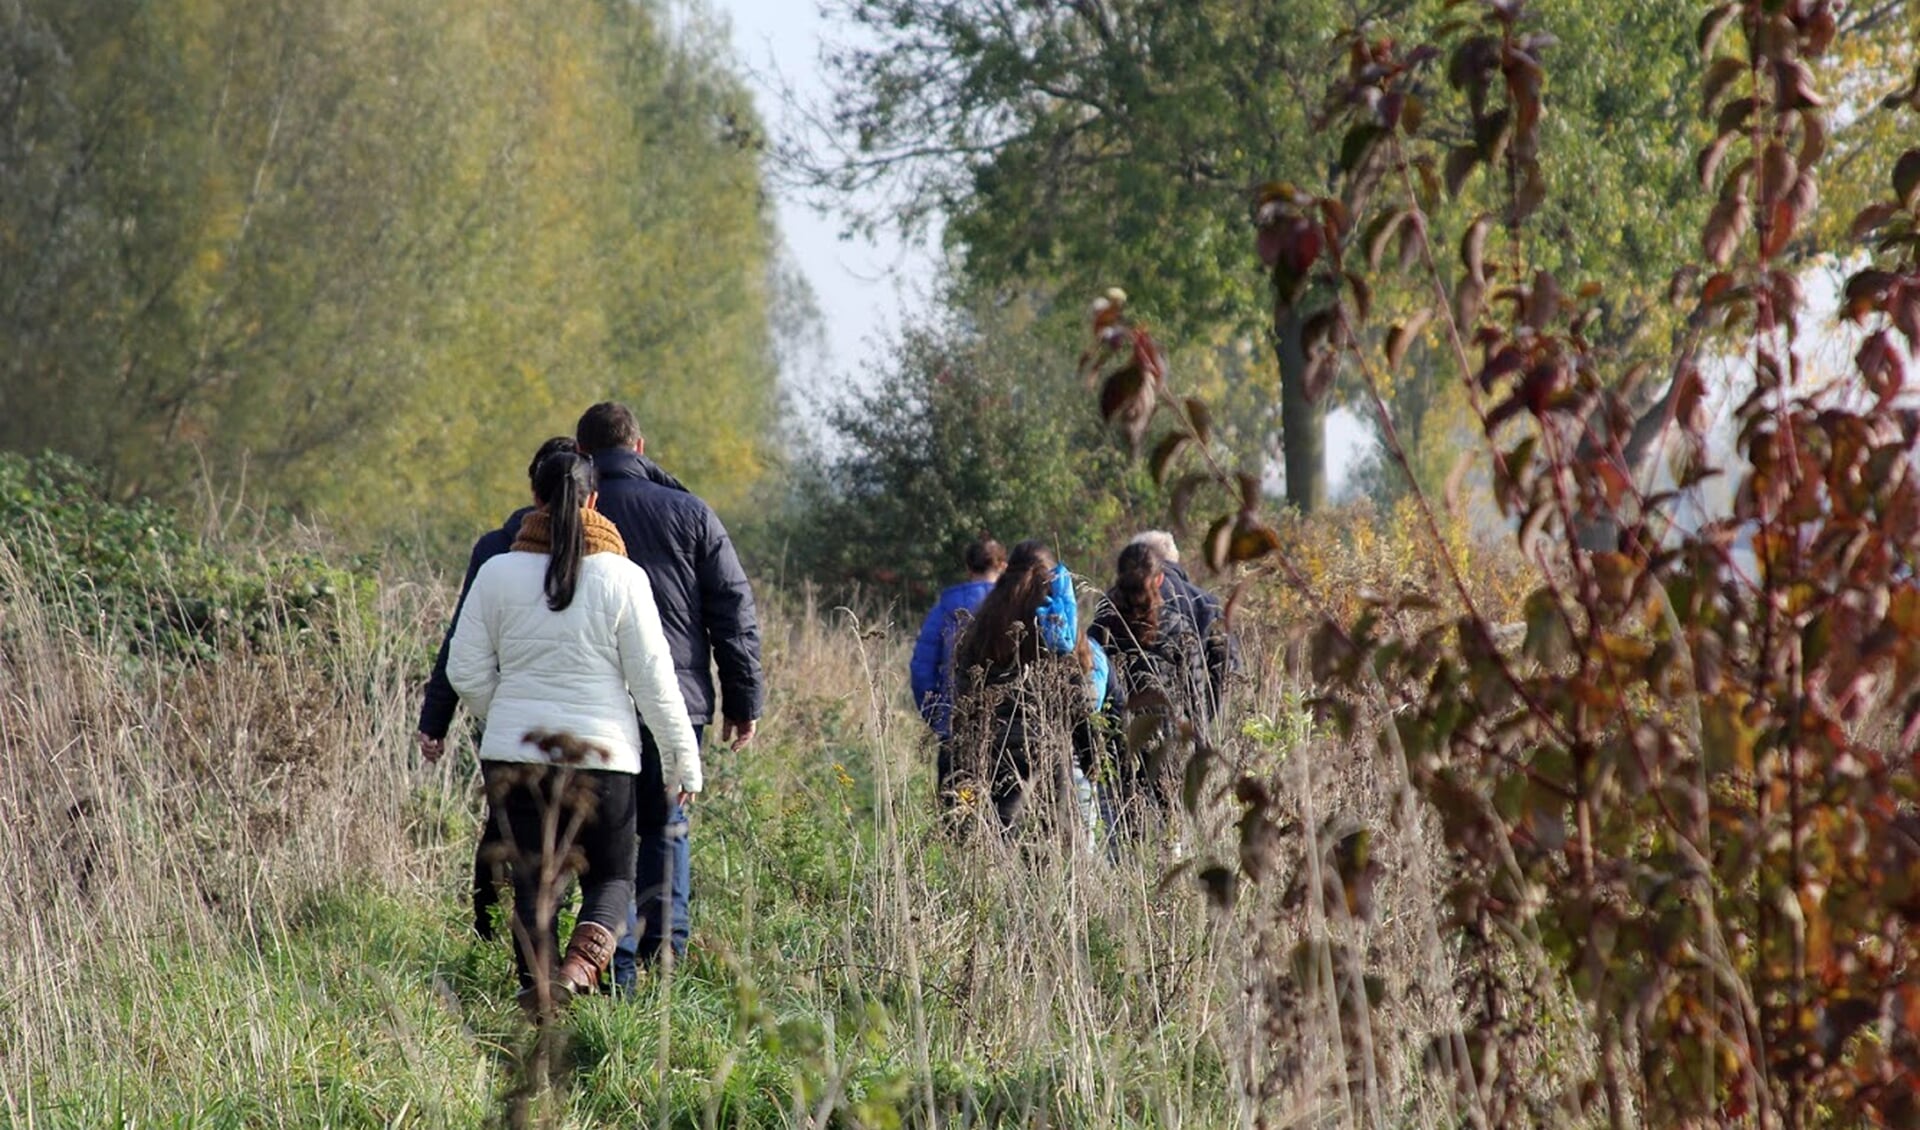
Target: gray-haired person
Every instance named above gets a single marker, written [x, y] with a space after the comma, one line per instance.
[1202, 609]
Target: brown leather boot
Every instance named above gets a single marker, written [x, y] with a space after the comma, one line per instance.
[588, 952]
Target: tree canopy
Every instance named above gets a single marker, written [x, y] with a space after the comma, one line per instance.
[1115, 142]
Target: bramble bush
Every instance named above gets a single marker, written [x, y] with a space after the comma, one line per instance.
[134, 572]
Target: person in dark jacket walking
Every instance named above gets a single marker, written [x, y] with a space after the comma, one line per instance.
[1161, 672]
[931, 670]
[439, 698]
[1202, 609]
[707, 610]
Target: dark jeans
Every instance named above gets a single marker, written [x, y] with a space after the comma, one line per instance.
[554, 823]
[663, 871]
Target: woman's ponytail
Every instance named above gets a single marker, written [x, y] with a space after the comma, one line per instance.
[1136, 593]
[562, 484]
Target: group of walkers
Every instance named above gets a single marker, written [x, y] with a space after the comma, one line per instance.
[588, 631]
[1037, 719]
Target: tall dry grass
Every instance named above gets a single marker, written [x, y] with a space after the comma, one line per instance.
[228, 890]
[157, 815]
[1121, 968]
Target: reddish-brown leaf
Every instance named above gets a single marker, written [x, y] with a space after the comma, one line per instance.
[1507, 361]
[1868, 291]
[1180, 498]
[1871, 218]
[1467, 300]
[1710, 158]
[1804, 196]
[1906, 179]
[1734, 115]
[1882, 367]
[1819, 28]
[1268, 243]
[1201, 417]
[1317, 332]
[1249, 490]
[1725, 225]
[1389, 109]
[1473, 247]
[1334, 212]
[1690, 399]
[1252, 539]
[1215, 547]
[1813, 140]
[1542, 303]
[1716, 288]
[1317, 381]
[1413, 240]
[1904, 310]
[1794, 87]
[1720, 74]
[1400, 338]
[1122, 388]
[1164, 453]
[1148, 355]
[1784, 285]
[1712, 25]
[1531, 193]
[1780, 227]
[1126, 402]
[1379, 232]
[1460, 162]
[1777, 173]
[1362, 296]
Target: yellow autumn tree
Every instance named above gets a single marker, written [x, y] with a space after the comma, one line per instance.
[357, 259]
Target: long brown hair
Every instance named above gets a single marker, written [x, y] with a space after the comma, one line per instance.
[1136, 592]
[1003, 633]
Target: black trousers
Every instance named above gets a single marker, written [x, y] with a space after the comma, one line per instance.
[555, 824]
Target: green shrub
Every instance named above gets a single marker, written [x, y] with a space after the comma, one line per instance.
[132, 571]
[958, 437]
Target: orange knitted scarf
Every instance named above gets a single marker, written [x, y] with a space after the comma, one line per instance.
[536, 534]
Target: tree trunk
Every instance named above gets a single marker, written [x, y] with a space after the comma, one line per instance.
[1303, 421]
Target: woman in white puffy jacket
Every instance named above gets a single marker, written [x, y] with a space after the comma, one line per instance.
[558, 642]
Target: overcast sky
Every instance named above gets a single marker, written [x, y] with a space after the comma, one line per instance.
[863, 288]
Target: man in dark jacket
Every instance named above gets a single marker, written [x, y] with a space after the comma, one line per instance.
[439, 700]
[706, 607]
[1201, 608]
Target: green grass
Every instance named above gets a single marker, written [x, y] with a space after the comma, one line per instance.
[368, 1002]
[332, 1018]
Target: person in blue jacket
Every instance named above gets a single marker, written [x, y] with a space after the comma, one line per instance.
[931, 670]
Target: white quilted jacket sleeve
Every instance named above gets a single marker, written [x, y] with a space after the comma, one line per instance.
[473, 658]
[647, 660]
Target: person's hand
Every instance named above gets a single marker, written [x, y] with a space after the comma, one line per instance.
[683, 798]
[737, 734]
[430, 748]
